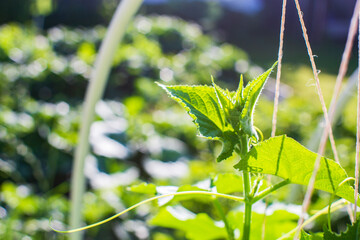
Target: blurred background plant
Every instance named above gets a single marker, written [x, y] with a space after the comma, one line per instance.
[47, 49]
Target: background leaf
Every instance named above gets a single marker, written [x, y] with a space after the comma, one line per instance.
[196, 226]
[284, 157]
[278, 223]
[228, 183]
[147, 188]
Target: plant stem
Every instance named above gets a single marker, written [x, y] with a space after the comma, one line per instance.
[122, 16]
[329, 212]
[256, 186]
[244, 141]
[220, 210]
[248, 205]
[270, 190]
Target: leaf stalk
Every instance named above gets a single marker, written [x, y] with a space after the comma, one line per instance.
[269, 190]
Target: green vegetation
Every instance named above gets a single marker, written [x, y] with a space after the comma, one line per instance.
[144, 145]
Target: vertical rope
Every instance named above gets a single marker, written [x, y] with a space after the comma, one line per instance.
[341, 74]
[321, 149]
[278, 73]
[345, 59]
[317, 81]
[342, 71]
[357, 133]
[276, 98]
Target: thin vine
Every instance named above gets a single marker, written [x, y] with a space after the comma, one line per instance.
[231, 197]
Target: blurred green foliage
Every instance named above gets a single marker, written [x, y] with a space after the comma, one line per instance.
[139, 135]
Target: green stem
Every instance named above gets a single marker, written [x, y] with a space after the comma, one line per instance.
[244, 142]
[270, 190]
[122, 16]
[248, 205]
[220, 210]
[329, 212]
[256, 186]
[332, 199]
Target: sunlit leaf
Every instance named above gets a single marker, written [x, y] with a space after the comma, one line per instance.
[228, 183]
[202, 105]
[278, 223]
[238, 97]
[223, 98]
[220, 114]
[229, 140]
[311, 236]
[147, 188]
[284, 157]
[185, 188]
[250, 96]
[195, 226]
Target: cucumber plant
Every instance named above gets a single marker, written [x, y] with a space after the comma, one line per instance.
[228, 116]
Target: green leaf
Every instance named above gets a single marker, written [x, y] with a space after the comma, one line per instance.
[147, 188]
[228, 183]
[251, 94]
[238, 97]
[278, 223]
[284, 157]
[228, 106]
[352, 232]
[260, 79]
[195, 226]
[311, 236]
[220, 114]
[185, 188]
[222, 96]
[229, 140]
[305, 236]
[202, 105]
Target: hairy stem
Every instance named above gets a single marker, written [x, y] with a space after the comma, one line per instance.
[122, 16]
[248, 205]
[244, 141]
